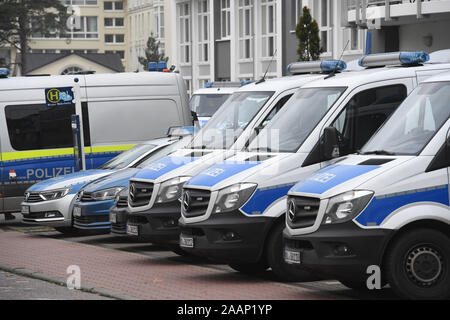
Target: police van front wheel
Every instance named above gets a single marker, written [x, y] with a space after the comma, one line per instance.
[275, 257]
[418, 265]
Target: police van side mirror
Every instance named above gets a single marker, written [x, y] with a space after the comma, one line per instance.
[329, 144]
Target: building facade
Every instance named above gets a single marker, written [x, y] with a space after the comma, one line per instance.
[221, 40]
[98, 26]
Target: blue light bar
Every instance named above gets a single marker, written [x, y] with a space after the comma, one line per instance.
[406, 58]
[325, 66]
[4, 72]
[162, 65]
[152, 66]
[209, 85]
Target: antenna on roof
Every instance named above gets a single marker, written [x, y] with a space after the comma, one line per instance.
[332, 74]
[263, 79]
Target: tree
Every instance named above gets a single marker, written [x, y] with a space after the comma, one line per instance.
[19, 19]
[152, 52]
[307, 32]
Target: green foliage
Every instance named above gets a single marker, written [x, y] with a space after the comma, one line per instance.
[152, 53]
[16, 17]
[307, 32]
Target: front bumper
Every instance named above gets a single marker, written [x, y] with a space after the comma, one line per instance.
[119, 225]
[60, 207]
[341, 251]
[228, 237]
[159, 224]
[92, 215]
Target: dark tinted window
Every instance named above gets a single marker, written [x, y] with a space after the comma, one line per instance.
[365, 113]
[35, 127]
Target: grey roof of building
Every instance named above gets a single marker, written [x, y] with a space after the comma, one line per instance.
[38, 60]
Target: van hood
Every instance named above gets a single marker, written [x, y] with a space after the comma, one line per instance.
[74, 180]
[350, 173]
[185, 162]
[253, 167]
[116, 179]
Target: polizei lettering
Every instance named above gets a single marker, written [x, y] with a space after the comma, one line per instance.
[46, 173]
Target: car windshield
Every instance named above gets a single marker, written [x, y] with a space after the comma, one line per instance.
[124, 159]
[230, 120]
[205, 105]
[292, 125]
[414, 123]
[164, 151]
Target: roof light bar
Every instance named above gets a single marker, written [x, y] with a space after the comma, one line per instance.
[394, 58]
[325, 66]
[157, 66]
[4, 72]
[223, 84]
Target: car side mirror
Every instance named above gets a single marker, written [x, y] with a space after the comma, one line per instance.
[194, 117]
[329, 143]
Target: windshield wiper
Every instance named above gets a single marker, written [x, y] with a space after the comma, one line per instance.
[380, 153]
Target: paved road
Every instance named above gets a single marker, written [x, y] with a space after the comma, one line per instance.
[15, 287]
[167, 276]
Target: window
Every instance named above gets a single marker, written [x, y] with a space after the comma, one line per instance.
[88, 29]
[113, 5]
[268, 31]
[80, 2]
[225, 19]
[356, 38]
[113, 22]
[185, 32]
[296, 13]
[324, 16]
[114, 38]
[205, 105]
[121, 53]
[245, 29]
[365, 113]
[203, 31]
[160, 27]
[36, 127]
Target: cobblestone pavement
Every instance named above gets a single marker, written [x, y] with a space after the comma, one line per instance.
[136, 269]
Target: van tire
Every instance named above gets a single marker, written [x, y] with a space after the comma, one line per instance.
[429, 277]
[275, 258]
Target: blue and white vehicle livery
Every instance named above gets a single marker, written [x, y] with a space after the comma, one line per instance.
[154, 192]
[50, 202]
[385, 207]
[234, 211]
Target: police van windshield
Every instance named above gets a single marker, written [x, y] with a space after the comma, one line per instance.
[205, 105]
[414, 123]
[301, 114]
[127, 157]
[164, 151]
[230, 120]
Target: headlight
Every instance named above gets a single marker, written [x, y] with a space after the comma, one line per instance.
[170, 190]
[106, 194]
[346, 206]
[232, 198]
[54, 194]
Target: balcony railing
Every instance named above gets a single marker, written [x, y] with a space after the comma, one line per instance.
[361, 10]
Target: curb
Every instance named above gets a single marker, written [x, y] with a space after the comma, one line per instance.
[62, 282]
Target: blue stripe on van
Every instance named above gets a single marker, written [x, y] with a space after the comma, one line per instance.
[262, 199]
[381, 207]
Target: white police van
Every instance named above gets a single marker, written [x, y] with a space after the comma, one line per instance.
[206, 101]
[234, 211]
[386, 207]
[154, 192]
[119, 111]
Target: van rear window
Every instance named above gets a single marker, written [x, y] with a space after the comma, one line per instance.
[36, 126]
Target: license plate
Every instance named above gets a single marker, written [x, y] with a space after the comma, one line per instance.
[186, 242]
[132, 230]
[292, 257]
[113, 218]
[77, 212]
[25, 210]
